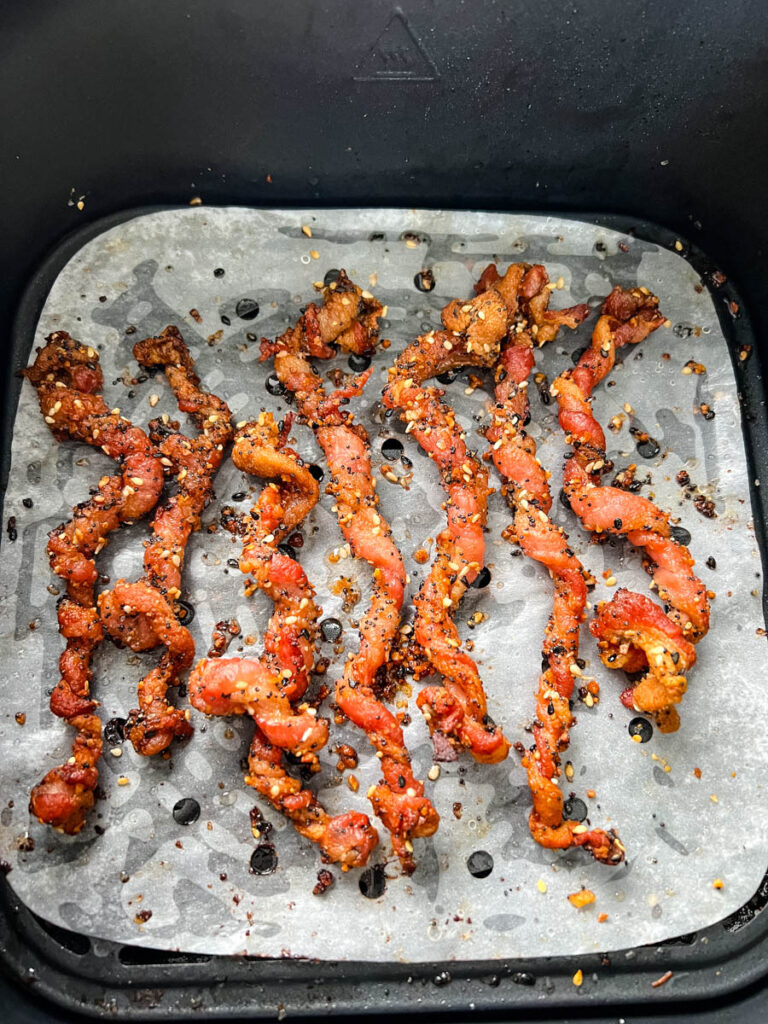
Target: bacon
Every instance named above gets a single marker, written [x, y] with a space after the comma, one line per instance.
[473, 332]
[632, 632]
[267, 688]
[526, 489]
[144, 614]
[399, 800]
[68, 377]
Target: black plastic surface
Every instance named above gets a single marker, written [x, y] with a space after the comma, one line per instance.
[655, 109]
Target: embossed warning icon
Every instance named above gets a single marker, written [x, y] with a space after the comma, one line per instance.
[397, 55]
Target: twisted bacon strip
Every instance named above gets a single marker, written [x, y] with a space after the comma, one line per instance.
[526, 490]
[142, 614]
[265, 689]
[473, 331]
[399, 800]
[68, 377]
[633, 633]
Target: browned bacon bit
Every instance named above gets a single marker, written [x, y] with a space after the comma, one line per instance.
[399, 800]
[526, 489]
[267, 688]
[472, 336]
[68, 377]
[325, 880]
[144, 614]
[633, 633]
[224, 633]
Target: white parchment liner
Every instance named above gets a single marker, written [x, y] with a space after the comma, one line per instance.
[681, 832]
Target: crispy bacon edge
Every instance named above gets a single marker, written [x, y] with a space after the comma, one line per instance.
[267, 688]
[144, 614]
[632, 632]
[399, 799]
[525, 486]
[68, 379]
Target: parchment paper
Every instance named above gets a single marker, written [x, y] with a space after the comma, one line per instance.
[681, 832]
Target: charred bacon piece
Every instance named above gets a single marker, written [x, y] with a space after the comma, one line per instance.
[144, 614]
[632, 632]
[267, 688]
[472, 336]
[68, 377]
[399, 800]
[526, 489]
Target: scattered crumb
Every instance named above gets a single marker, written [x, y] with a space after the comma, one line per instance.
[582, 898]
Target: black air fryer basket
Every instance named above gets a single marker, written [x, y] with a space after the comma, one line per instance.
[643, 116]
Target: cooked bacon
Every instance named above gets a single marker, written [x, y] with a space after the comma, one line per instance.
[144, 614]
[68, 377]
[399, 800]
[347, 839]
[267, 688]
[633, 633]
[526, 489]
[473, 332]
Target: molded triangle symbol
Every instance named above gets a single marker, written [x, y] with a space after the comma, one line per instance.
[397, 55]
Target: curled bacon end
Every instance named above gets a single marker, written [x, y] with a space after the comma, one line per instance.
[67, 376]
[605, 846]
[66, 794]
[347, 839]
[630, 623]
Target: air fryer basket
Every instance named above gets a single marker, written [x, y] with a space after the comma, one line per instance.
[653, 111]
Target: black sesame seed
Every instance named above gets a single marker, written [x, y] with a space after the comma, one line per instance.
[711, 563]
[219, 272]
[27, 502]
[225, 320]
[523, 977]
[564, 501]
[331, 276]
[233, 563]
[317, 471]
